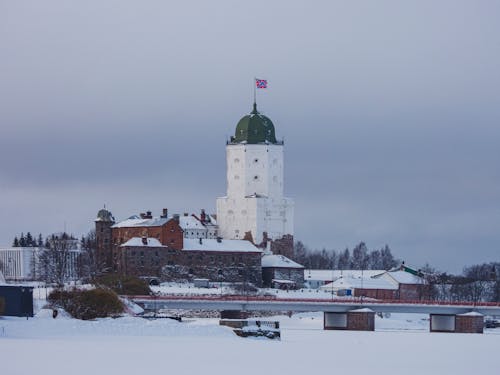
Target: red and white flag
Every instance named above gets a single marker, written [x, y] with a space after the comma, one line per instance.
[261, 83]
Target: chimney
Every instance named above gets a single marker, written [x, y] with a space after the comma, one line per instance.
[176, 217]
[165, 213]
[203, 216]
[149, 215]
[186, 214]
[219, 239]
[144, 240]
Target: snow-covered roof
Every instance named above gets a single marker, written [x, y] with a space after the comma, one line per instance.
[403, 277]
[358, 283]
[208, 244]
[190, 222]
[136, 221]
[138, 241]
[278, 261]
[362, 310]
[185, 222]
[471, 313]
[329, 275]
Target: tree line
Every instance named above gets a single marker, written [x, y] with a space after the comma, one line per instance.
[28, 240]
[62, 257]
[480, 282]
[357, 259]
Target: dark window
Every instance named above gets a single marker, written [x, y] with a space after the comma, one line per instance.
[142, 253]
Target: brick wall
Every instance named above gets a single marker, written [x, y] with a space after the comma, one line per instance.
[375, 293]
[410, 292]
[361, 321]
[169, 234]
[104, 243]
[469, 324]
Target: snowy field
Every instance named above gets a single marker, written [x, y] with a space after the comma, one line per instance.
[131, 345]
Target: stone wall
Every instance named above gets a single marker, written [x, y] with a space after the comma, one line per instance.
[283, 246]
[293, 274]
[180, 265]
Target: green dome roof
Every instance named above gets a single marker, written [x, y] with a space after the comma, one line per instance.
[105, 215]
[254, 128]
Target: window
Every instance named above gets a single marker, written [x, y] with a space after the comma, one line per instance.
[255, 160]
[236, 177]
[236, 160]
[255, 178]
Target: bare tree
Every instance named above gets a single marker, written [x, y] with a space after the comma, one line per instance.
[55, 260]
[89, 264]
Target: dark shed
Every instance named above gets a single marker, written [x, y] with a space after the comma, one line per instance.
[18, 300]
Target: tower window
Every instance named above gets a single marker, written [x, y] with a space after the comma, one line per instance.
[255, 160]
[255, 177]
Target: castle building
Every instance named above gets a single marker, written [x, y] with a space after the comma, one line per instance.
[175, 248]
[255, 207]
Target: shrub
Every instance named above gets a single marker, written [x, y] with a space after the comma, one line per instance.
[124, 285]
[87, 304]
[2, 305]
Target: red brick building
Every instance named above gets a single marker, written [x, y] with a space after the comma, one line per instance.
[176, 248]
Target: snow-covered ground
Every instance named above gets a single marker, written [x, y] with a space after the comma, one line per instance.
[131, 345]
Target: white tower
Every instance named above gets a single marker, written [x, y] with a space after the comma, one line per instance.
[254, 203]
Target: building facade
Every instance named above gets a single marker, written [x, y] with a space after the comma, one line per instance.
[255, 207]
[177, 248]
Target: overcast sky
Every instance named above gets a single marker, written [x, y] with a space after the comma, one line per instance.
[390, 112]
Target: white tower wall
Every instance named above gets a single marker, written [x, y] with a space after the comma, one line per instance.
[254, 201]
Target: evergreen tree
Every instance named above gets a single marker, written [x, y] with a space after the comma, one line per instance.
[22, 240]
[40, 240]
[29, 239]
[15, 243]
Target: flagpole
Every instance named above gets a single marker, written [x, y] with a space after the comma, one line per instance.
[255, 90]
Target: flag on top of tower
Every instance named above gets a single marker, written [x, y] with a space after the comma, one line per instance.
[261, 83]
